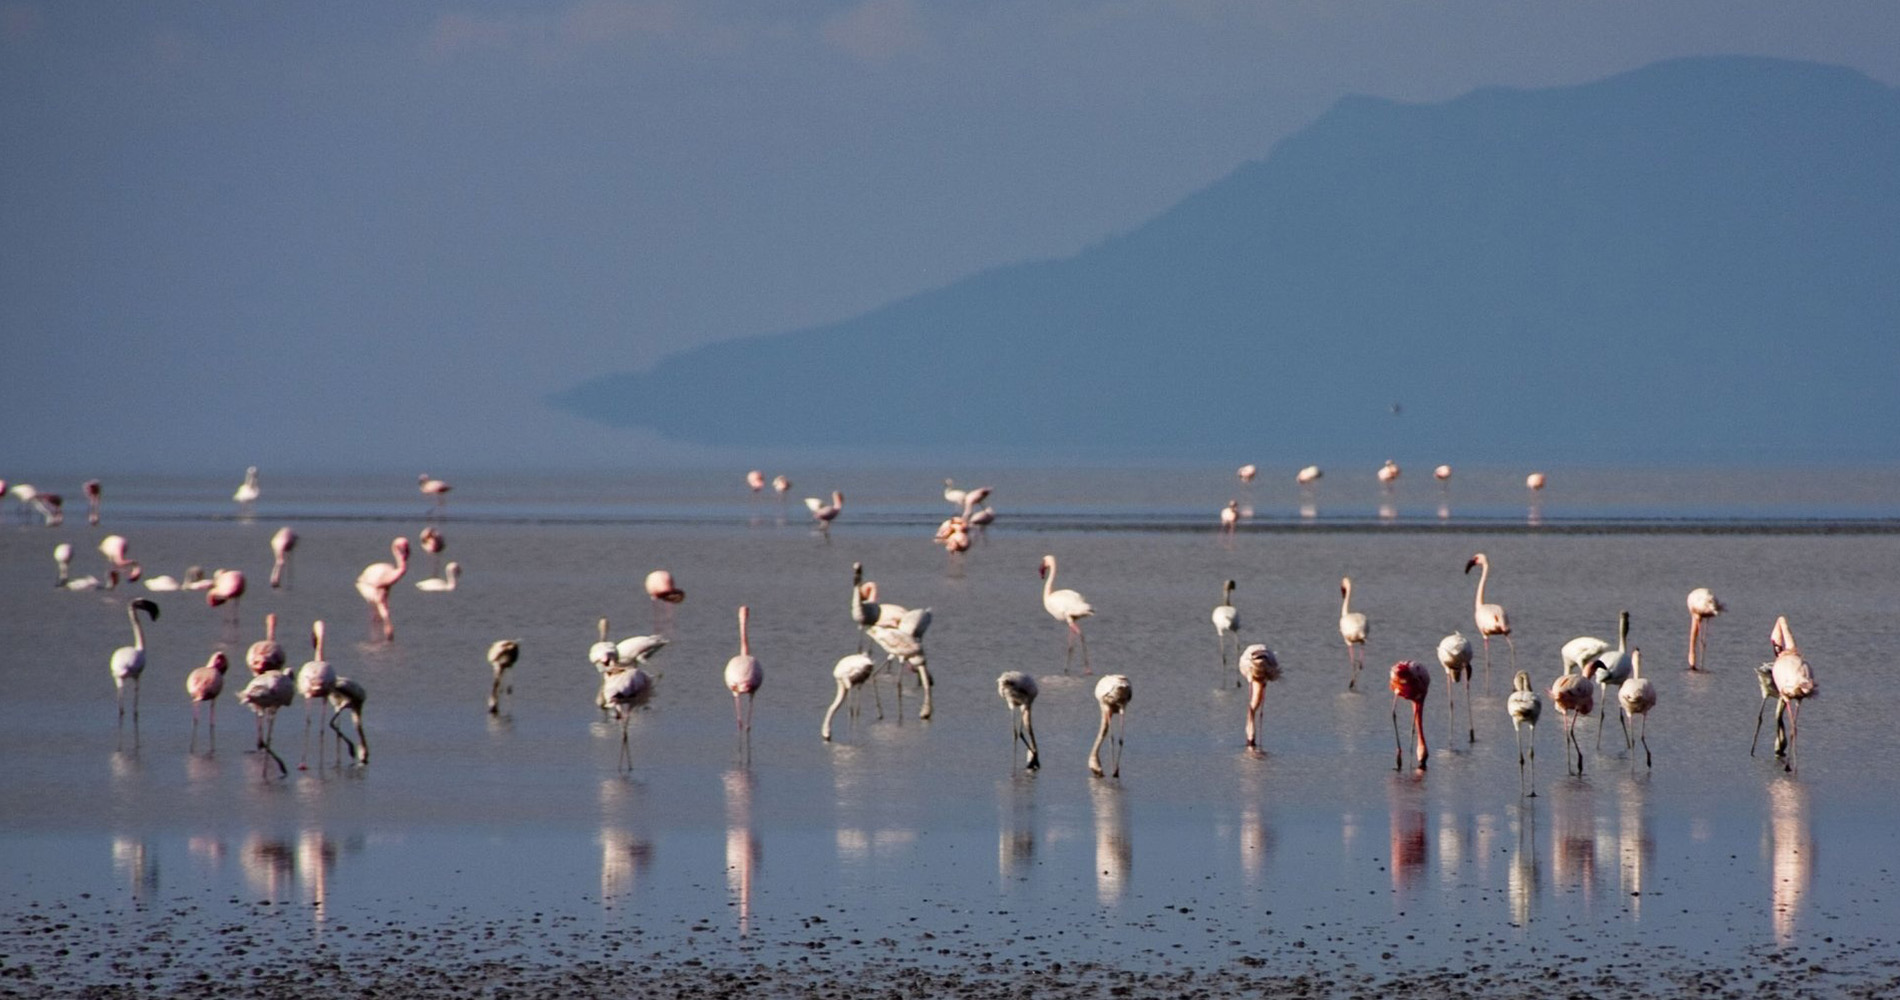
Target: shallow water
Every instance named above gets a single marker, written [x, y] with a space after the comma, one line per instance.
[925, 842]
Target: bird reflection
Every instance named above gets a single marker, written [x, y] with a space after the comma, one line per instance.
[136, 862]
[1015, 828]
[1635, 848]
[624, 854]
[743, 851]
[1524, 876]
[316, 856]
[1256, 842]
[1114, 855]
[268, 865]
[1791, 853]
[1573, 820]
[1408, 846]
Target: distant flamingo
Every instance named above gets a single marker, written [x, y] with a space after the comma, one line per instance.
[1534, 482]
[92, 501]
[1248, 472]
[63, 562]
[1525, 708]
[1638, 696]
[1353, 629]
[247, 491]
[315, 679]
[1454, 654]
[451, 574]
[963, 499]
[265, 654]
[956, 536]
[1226, 620]
[755, 480]
[502, 655]
[128, 662]
[1411, 681]
[1067, 607]
[851, 671]
[1574, 694]
[824, 513]
[1309, 475]
[624, 689]
[281, 545]
[1490, 617]
[375, 582]
[663, 593]
[1230, 517]
[781, 485]
[1018, 691]
[433, 488]
[432, 542]
[744, 675]
[1443, 475]
[1113, 693]
[117, 552]
[1259, 667]
[981, 519]
[1794, 683]
[204, 685]
[227, 587]
[349, 695]
[1703, 606]
[1388, 473]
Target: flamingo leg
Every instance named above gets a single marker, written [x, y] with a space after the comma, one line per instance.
[1121, 733]
[1648, 761]
[1533, 760]
[1794, 728]
[1029, 737]
[1084, 641]
[301, 764]
[194, 727]
[1471, 728]
[626, 752]
[923, 677]
[1398, 748]
[1759, 712]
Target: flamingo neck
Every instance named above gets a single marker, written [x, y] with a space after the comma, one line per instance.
[138, 631]
[1049, 579]
[1345, 598]
[1484, 573]
[745, 644]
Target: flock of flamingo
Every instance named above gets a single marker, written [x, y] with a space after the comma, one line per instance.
[1597, 678]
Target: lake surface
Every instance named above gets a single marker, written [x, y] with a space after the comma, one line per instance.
[517, 843]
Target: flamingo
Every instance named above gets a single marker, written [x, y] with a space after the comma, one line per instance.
[1638, 696]
[1068, 607]
[63, 561]
[1230, 517]
[624, 689]
[637, 650]
[1525, 708]
[265, 654]
[1703, 606]
[1584, 650]
[51, 507]
[92, 501]
[1534, 482]
[824, 513]
[227, 586]
[1411, 681]
[1018, 691]
[900, 632]
[247, 491]
[349, 695]
[90, 582]
[164, 583]
[1388, 473]
[433, 488]
[603, 654]
[270, 691]
[281, 545]
[955, 535]
[1443, 475]
[1247, 472]
[1574, 694]
[1113, 692]
[1794, 683]
[128, 662]
[1610, 669]
[663, 593]
[204, 685]
[315, 679]
[1454, 654]
[755, 480]
[852, 670]
[864, 608]
[1490, 617]
[375, 581]
[1353, 629]
[451, 573]
[964, 499]
[115, 549]
[1308, 476]
[1226, 620]
[1259, 667]
[433, 543]
[502, 654]
[744, 675]
[781, 485]
[981, 519]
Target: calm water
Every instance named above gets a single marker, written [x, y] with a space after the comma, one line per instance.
[925, 840]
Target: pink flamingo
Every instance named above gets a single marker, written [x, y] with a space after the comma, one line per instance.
[1703, 606]
[664, 593]
[1637, 696]
[623, 689]
[1260, 667]
[1247, 472]
[1230, 517]
[744, 675]
[1411, 681]
[433, 543]
[1113, 692]
[281, 545]
[755, 480]
[1575, 695]
[1388, 473]
[433, 488]
[315, 680]
[1525, 708]
[115, 549]
[1490, 617]
[92, 501]
[1794, 683]
[227, 587]
[1068, 607]
[265, 654]
[265, 694]
[825, 513]
[204, 685]
[374, 584]
[1018, 691]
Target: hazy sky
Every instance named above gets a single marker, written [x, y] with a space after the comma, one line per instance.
[376, 234]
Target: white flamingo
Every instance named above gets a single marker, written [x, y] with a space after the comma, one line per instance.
[1638, 696]
[1067, 607]
[502, 654]
[1454, 654]
[851, 671]
[624, 689]
[128, 662]
[1575, 695]
[1610, 669]
[348, 695]
[1794, 684]
[451, 573]
[1018, 691]
[63, 562]
[1112, 692]
[1703, 606]
[1259, 667]
[1353, 629]
[1525, 708]
[825, 513]
[247, 491]
[281, 545]
[315, 679]
[744, 676]
[1490, 617]
[1226, 620]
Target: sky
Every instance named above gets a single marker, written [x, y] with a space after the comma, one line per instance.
[374, 236]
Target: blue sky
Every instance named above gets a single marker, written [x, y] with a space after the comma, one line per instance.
[375, 235]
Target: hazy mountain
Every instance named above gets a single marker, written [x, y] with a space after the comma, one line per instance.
[1699, 260]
